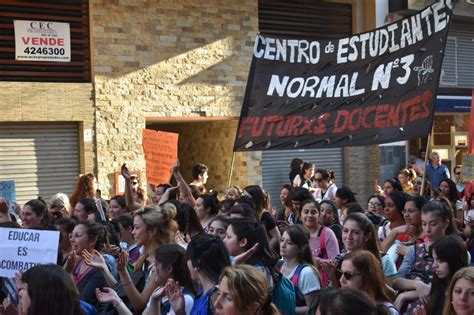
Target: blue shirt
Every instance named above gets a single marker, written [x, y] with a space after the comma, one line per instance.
[436, 175]
[201, 302]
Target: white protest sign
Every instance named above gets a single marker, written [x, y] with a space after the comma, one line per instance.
[467, 170]
[22, 249]
[42, 41]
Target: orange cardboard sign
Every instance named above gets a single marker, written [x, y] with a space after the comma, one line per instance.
[161, 152]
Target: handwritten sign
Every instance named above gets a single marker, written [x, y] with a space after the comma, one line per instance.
[23, 248]
[7, 191]
[467, 170]
[161, 152]
[42, 41]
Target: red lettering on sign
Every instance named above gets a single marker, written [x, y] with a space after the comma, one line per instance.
[45, 41]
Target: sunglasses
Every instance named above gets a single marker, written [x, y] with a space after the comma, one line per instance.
[347, 275]
[458, 173]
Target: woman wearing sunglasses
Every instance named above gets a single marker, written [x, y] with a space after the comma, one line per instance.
[326, 188]
[361, 271]
[417, 188]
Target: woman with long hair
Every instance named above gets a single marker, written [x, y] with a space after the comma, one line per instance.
[286, 214]
[86, 237]
[303, 179]
[48, 289]
[117, 206]
[86, 187]
[171, 263]
[417, 183]
[263, 215]
[447, 189]
[207, 258]
[247, 235]
[460, 295]
[299, 266]
[329, 217]
[35, 214]
[322, 240]
[243, 290]
[152, 227]
[295, 168]
[360, 270]
[358, 233]
[449, 256]
[417, 265]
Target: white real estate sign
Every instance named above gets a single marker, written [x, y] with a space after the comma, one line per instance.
[42, 41]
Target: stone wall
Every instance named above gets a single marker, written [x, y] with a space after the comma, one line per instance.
[52, 102]
[165, 59]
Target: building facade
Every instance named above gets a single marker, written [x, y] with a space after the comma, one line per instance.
[178, 66]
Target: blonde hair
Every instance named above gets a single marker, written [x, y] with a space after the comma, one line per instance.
[248, 285]
[466, 273]
[161, 219]
[61, 200]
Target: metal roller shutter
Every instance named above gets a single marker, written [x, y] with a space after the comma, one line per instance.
[300, 18]
[276, 166]
[43, 159]
[458, 64]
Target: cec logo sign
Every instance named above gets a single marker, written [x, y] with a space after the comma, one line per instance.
[42, 41]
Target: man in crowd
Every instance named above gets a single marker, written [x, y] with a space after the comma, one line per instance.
[436, 171]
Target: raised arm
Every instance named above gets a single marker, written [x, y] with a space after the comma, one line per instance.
[129, 200]
[184, 189]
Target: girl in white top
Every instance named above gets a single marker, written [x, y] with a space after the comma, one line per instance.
[298, 266]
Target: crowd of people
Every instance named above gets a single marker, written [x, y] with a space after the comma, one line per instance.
[189, 250]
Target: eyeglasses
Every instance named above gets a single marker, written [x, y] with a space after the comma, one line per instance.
[375, 204]
[347, 275]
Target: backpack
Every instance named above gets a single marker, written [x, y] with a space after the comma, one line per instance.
[283, 295]
[299, 297]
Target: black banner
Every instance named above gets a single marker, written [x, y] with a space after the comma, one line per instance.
[370, 88]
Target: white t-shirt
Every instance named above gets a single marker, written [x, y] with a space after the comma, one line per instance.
[308, 281]
[329, 195]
